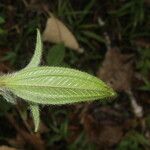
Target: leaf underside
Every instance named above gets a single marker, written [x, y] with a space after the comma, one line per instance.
[35, 61]
[51, 85]
[56, 85]
[36, 115]
[8, 96]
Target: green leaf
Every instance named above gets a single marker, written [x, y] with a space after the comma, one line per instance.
[51, 85]
[56, 54]
[8, 96]
[36, 59]
[55, 85]
[36, 115]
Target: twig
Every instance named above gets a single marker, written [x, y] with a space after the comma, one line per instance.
[137, 109]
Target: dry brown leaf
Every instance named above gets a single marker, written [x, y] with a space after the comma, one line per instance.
[57, 32]
[17, 141]
[117, 70]
[102, 125]
[7, 148]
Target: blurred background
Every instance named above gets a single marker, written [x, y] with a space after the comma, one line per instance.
[106, 38]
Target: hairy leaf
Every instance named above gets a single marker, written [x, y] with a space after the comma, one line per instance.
[36, 115]
[36, 59]
[51, 85]
[56, 85]
[8, 96]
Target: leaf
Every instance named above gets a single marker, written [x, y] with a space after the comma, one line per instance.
[57, 32]
[55, 85]
[8, 96]
[117, 70]
[36, 116]
[56, 54]
[36, 59]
